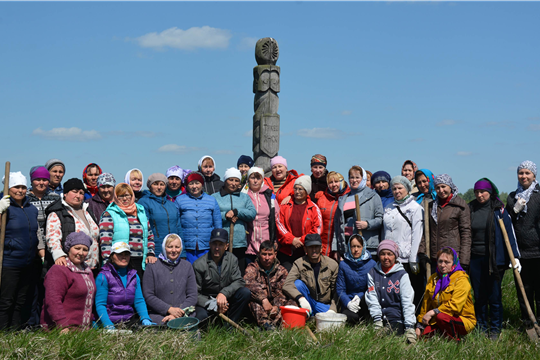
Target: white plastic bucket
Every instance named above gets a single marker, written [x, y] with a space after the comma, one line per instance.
[328, 321]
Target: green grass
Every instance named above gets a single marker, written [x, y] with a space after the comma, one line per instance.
[217, 343]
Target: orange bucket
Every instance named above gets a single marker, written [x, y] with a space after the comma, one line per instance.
[293, 317]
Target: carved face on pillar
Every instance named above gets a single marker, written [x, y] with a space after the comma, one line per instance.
[266, 51]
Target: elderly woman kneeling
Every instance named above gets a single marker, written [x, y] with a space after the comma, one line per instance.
[447, 307]
[170, 286]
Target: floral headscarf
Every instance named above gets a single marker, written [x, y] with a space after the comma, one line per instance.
[444, 279]
[446, 180]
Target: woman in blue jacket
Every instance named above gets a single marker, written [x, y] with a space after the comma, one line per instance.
[236, 208]
[352, 280]
[199, 215]
[162, 214]
[20, 249]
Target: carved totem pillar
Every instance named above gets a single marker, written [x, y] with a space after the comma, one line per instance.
[266, 103]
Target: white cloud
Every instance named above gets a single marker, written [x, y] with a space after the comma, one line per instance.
[196, 37]
[324, 133]
[346, 112]
[464, 153]
[447, 122]
[248, 133]
[68, 134]
[178, 149]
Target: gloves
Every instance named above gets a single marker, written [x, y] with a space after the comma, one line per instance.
[147, 322]
[378, 325]
[211, 304]
[410, 335]
[519, 205]
[518, 265]
[414, 268]
[304, 304]
[4, 204]
[354, 304]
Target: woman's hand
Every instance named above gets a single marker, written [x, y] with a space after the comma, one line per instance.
[150, 259]
[297, 242]
[229, 215]
[427, 317]
[234, 219]
[418, 332]
[175, 312]
[61, 261]
[64, 331]
[361, 225]
[167, 318]
[286, 200]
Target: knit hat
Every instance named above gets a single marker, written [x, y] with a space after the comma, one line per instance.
[53, 162]
[73, 184]
[278, 160]
[194, 176]
[529, 165]
[16, 179]
[39, 172]
[156, 177]
[318, 159]
[388, 245]
[120, 247]
[245, 159]
[403, 181]
[305, 182]
[380, 176]
[175, 171]
[106, 179]
[256, 170]
[312, 239]
[77, 238]
[232, 173]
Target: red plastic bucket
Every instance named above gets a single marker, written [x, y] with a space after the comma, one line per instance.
[293, 317]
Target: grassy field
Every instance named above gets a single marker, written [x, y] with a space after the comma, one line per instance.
[218, 343]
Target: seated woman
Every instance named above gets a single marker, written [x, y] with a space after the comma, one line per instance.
[70, 289]
[390, 294]
[352, 280]
[119, 299]
[447, 307]
[169, 284]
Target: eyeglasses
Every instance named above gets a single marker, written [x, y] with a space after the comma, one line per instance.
[125, 196]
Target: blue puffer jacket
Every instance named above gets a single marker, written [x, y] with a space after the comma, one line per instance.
[352, 278]
[163, 216]
[243, 208]
[21, 239]
[198, 217]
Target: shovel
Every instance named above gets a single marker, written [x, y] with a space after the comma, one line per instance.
[244, 331]
[535, 332]
[4, 220]
[426, 236]
[357, 202]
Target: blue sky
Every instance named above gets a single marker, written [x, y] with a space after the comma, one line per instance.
[453, 86]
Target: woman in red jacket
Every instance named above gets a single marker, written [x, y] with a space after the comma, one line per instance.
[295, 220]
[282, 180]
[327, 201]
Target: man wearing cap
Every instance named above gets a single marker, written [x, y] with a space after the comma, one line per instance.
[312, 279]
[220, 285]
[99, 202]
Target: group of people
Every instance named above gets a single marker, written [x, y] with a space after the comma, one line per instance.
[94, 252]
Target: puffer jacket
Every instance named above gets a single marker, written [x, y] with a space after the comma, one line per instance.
[242, 206]
[352, 278]
[163, 216]
[212, 184]
[312, 221]
[396, 228]
[21, 236]
[198, 217]
[302, 270]
[453, 228]
[120, 298]
[527, 227]
[328, 205]
[287, 189]
[371, 210]
[455, 300]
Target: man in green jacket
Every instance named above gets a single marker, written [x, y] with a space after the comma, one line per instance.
[312, 279]
[220, 285]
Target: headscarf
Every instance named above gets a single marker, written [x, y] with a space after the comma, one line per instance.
[128, 176]
[429, 175]
[163, 255]
[446, 180]
[362, 183]
[201, 161]
[489, 186]
[92, 189]
[365, 255]
[444, 279]
[131, 208]
[522, 193]
[414, 166]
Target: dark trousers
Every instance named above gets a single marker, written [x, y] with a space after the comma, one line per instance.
[17, 286]
[36, 300]
[355, 318]
[418, 283]
[237, 304]
[487, 291]
[396, 327]
[240, 253]
[288, 261]
[531, 283]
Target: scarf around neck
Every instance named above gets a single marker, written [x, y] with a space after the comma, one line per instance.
[443, 280]
[525, 194]
[131, 208]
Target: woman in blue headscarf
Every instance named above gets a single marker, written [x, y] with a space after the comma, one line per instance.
[426, 187]
[352, 280]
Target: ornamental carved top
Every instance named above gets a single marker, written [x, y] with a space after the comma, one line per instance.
[266, 51]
